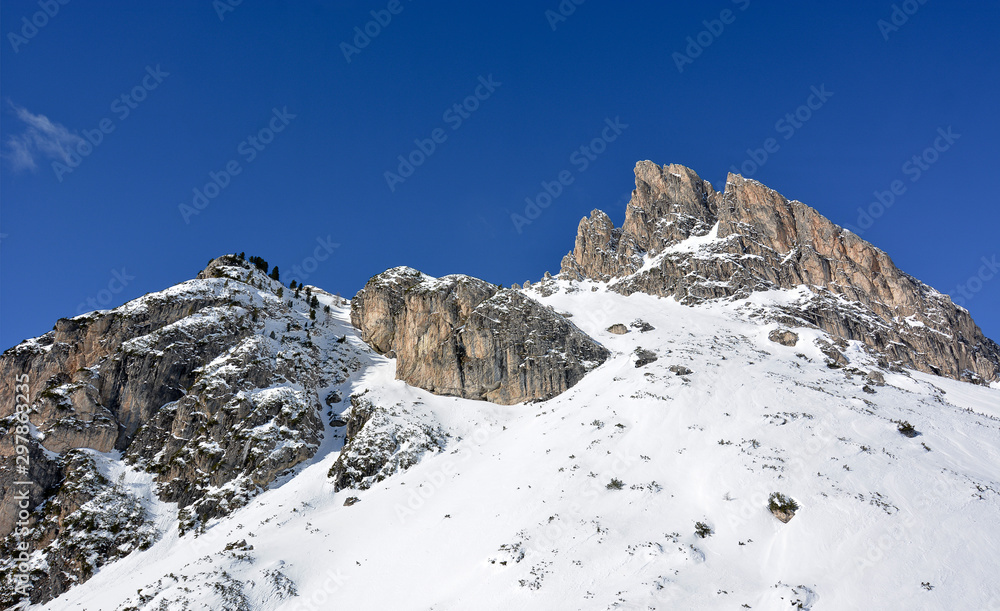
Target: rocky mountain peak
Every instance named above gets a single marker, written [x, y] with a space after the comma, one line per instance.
[682, 239]
[213, 387]
[669, 205]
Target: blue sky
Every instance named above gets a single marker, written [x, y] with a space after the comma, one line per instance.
[286, 120]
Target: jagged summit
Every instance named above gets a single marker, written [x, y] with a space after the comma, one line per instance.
[683, 239]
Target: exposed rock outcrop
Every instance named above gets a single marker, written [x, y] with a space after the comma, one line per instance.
[644, 357]
[682, 239]
[193, 385]
[464, 337]
[87, 523]
[784, 337]
[668, 205]
[380, 442]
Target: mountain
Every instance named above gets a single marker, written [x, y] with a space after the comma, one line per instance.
[726, 403]
[753, 239]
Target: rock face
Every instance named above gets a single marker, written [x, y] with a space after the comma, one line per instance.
[464, 337]
[682, 239]
[212, 387]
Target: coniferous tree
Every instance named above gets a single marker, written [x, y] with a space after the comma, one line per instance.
[281, 292]
[312, 314]
[274, 274]
[259, 263]
[314, 302]
[292, 285]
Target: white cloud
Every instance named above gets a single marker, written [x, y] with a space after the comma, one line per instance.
[41, 139]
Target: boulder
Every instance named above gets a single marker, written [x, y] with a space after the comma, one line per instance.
[644, 357]
[783, 337]
[464, 337]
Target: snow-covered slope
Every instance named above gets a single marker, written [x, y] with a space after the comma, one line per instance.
[590, 500]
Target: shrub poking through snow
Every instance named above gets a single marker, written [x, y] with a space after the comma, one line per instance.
[783, 507]
[906, 429]
[703, 530]
[615, 484]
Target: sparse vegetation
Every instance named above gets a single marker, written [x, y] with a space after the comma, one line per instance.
[779, 503]
[703, 530]
[615, 484]
[259, 263]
